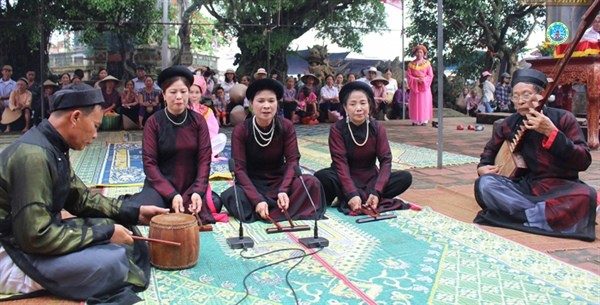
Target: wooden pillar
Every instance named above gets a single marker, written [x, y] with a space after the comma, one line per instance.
[593, 89]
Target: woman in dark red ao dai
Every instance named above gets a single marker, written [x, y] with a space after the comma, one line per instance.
[355, 144]
[265, 151]
[176, 151]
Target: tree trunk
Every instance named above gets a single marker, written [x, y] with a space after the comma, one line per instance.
[185, 43]
[250, 62]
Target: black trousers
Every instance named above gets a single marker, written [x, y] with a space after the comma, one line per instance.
[399, 182]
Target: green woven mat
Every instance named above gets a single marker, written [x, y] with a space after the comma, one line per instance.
[418, 258]
[314, 150]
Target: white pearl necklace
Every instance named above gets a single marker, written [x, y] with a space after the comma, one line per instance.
[176, 123]
[352, 135]
[264, 136]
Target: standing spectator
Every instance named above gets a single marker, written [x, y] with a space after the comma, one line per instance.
[112, 98]
[7, 85]
[329, 99]
[102, 73]
[207, 97]
[371, 74]
[503, 93]
[228, 83]
[20, 99]
[261, 73]
[289, 99]
[380, 96]
[364, 76]
[420, 76]
[392, 85]
[339, 81]
[140, 80]
[33, 86]
[148, 100]
[65, 80]
[79, 73]
[245, 80]
[351, 78]
[49, 88]
[36, 100]
[487, 89]
[76, 79]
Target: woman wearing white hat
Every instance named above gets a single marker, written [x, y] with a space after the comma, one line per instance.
[229, 82]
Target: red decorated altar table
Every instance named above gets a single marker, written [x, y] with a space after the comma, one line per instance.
[585, 70]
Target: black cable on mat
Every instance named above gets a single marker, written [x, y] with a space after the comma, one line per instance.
[275, 263]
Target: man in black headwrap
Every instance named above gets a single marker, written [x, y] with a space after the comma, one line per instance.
[549, 199]
[91, 257]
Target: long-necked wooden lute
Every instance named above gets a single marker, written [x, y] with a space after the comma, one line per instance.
[509, 160]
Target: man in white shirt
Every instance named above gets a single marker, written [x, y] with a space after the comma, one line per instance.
[329, 99]
[7, 85]
[138, 82]
[593, 33]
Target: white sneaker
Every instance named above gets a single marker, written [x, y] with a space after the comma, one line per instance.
[385, 118]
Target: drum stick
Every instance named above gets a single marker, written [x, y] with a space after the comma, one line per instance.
[159, 241]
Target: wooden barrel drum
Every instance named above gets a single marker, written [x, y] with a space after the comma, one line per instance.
[182, 228]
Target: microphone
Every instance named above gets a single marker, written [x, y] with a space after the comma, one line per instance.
[240, 241]
[315, 241]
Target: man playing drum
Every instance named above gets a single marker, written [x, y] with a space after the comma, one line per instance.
[91, 257]
[549, 198]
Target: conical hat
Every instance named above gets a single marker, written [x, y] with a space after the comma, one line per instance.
[9, 116]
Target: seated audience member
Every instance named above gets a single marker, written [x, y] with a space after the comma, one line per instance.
[176, 151]
[290, 103]
[307, 107]
[549, 198]
[329, 99]
[380, 93]
[473, 103]
[91, 257]
[217, 140]
[355, 144]
[148, 99]
[220, 106]
[400, 103]
[130, 106]
[265, 151]
[112, 98]
[20, 100]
